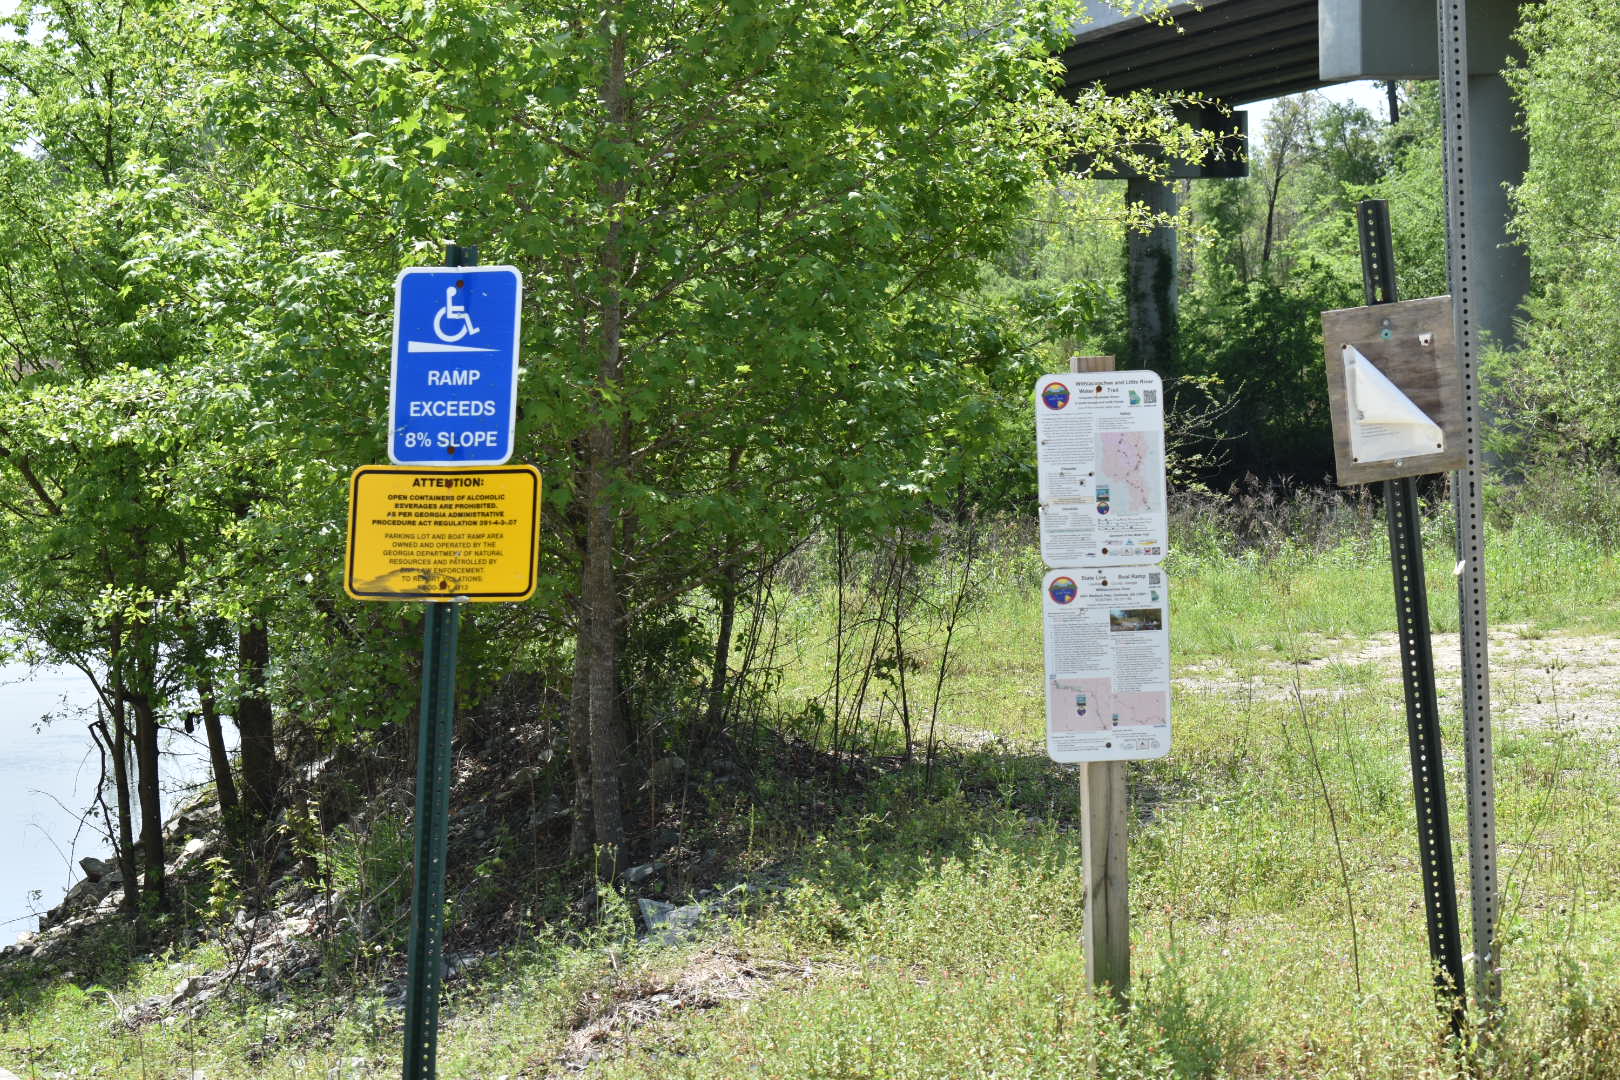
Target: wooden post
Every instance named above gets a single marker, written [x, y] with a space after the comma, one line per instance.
[1102, 846]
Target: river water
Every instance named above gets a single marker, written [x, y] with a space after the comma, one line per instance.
[49, 769]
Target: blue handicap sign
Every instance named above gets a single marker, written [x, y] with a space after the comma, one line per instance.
[453, 400]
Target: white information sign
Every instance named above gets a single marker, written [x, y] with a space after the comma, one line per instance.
[1100, 452]
[1384, 423]
[1107, 663]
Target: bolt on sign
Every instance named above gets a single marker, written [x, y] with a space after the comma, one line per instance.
[438, 534]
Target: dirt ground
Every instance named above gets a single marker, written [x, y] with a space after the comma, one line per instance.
[1537, 678]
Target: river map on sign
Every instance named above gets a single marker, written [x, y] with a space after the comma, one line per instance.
[1106, 637]
[1093, 705]
[1100, 465]
[1133, 470]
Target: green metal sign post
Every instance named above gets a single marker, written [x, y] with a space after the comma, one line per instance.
[441, 626]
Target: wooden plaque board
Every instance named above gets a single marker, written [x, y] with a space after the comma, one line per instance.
[1414, 345]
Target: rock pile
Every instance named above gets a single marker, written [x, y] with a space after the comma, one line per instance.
[192, 834]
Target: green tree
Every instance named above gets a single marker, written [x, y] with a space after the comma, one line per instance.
[89, 545]
[752, 237]
[747, 229]
[1271, 251]
[1557, 394]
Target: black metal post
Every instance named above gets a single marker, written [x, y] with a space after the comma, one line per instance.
[1417, 666]
[441, 626]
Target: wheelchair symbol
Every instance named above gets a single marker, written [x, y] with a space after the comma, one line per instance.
[455, 313]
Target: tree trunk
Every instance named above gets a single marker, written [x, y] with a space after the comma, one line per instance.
[119, 707]
[606, 742]
[1285, 129]
[1271, 210]
[900, 662]
[715, 714]
[598, 584]
[146, 763]
[118, 745]
[224, 782]
[255, 723]
[208, 704]
[579, 740]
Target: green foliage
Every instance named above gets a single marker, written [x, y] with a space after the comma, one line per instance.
[1202, 1018]
[1029, 1022]
[1415, 189]
[1582, 500]
[1264, 342]
[936, 935]
[1271, 251]
[368, 865]
[202, 216]
[224, 889]
[1556, 393]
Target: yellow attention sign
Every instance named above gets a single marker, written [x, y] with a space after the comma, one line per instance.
[443, 534]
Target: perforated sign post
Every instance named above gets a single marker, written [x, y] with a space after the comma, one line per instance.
[1468, 489]
[453, 397]
[1406, 441]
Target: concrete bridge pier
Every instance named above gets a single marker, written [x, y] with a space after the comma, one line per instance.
[1152, 281]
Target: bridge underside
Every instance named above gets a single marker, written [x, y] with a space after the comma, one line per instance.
[1241, 51]
[1235, 50]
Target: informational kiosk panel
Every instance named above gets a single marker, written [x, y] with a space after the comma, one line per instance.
[453, 398]
[1100, 453]
[443, 534]
[1107, 663]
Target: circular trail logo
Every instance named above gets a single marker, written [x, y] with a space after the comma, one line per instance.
[1056, 395]
[1063, 590]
